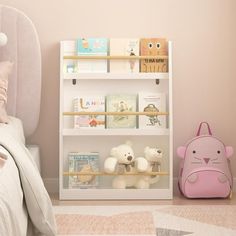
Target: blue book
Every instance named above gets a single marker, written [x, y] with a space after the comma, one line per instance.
[84, 162]
[92, 47]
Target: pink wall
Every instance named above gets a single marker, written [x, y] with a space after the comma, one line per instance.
[203, 34]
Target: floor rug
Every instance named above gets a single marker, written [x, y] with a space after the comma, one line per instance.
[158, 220]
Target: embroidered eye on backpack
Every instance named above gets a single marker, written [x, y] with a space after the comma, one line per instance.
[204, 167]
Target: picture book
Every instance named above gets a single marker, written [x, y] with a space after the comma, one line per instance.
[92, 47]
[93, 104]
[152, 102]
[121, 103]
[124, 47]
[83, 163]
[154, 47]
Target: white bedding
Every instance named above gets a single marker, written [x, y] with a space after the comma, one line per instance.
[23, 198]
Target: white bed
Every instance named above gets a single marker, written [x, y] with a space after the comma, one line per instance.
[25, 207]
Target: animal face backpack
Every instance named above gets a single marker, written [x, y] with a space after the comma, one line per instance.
[204, 167]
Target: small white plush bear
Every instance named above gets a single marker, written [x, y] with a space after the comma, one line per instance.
[154, 157]
[122, 161]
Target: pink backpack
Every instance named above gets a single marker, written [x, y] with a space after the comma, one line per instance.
[204, 167]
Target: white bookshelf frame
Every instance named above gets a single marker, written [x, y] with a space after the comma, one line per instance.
[112, 194]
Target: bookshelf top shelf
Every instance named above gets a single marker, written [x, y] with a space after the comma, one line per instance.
[117, 57]
[110, 76]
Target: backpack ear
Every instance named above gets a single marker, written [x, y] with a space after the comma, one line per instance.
[181, 151]
[229, 151]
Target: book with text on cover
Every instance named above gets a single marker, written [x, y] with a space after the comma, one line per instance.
[124, 47]
[121, 103]
[152, 102]
[92, 47]
[84, 162]
[154, 47]
[89, 104]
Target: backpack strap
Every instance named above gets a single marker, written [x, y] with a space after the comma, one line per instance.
[200, 126]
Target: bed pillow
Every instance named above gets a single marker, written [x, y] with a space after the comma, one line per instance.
[5, 70]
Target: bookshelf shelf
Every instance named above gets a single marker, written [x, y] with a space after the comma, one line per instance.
[102, 140]
[115, 132]
[116, 76]
[115, 57]
[114, 174]
[136, 113]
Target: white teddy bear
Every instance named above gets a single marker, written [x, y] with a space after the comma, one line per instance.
[122, 161]
[153, 157]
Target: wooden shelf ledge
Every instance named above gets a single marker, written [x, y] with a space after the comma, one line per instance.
[106, 113]
[114, 174]
[114, 57]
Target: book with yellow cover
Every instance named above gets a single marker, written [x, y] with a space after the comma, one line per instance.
[154, 47]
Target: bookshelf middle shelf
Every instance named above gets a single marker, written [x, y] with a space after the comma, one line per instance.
[115, 132]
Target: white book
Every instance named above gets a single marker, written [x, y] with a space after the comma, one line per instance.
[89, 104]
[152, 102]
[124, 47]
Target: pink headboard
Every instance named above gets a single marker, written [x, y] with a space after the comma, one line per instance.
[23, 49]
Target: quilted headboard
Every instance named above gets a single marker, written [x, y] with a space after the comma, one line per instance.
[23, 49]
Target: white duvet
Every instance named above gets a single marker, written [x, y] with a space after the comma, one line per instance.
[25, 207]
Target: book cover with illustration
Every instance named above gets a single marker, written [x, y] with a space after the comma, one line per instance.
[152, 102]
[124, 47]
[92, 47]
[121, 103]
[89, 104]
[84, 163]
[154, 47]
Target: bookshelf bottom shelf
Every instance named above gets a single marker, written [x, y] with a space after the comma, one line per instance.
[115, 194]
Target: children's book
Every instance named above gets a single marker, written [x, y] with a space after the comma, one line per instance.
[83, 163]
[121, 103]
[152, 102]
[92, 47]
[124, 47]
[154, 47]
[93, 104]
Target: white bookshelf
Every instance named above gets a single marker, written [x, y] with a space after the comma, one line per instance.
[102, 140]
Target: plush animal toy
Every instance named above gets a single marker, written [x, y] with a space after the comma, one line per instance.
[122, 161]
[153, 157]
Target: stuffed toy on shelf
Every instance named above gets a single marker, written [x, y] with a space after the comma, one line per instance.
[153, 157]
[122, 162]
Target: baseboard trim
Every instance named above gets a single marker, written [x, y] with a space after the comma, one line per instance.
[52, 185]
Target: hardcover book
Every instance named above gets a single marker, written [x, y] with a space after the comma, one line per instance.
[154, 47]
[84, 163]
[121, 103]
[93, 104]
[124, 47]
[152, 102]
[92, 47]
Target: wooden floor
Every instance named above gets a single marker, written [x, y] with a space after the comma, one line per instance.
[177, 200]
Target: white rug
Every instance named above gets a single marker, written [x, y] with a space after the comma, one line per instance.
[165, 220]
